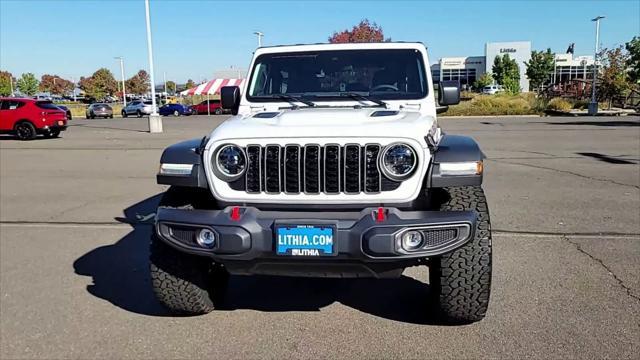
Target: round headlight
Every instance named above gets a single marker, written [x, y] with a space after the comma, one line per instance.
[230, 162]
[398, 161]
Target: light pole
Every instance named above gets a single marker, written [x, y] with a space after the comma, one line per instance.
[259, 35]
[155, 121]
[124, 92]
[73, 80]
[593, 106]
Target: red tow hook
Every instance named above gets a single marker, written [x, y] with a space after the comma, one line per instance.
[235, 213]
[380, 214]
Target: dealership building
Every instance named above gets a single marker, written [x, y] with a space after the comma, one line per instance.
[467, 69]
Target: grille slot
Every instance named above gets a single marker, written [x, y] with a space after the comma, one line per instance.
[292, 169]
[332, 169]
[253, 178]
[272, 169]
[352, 169]
[314, 169]
[372, 181]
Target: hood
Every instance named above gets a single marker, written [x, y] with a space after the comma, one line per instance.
[326, 122]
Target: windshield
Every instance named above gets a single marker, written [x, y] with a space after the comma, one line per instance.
[377, 74]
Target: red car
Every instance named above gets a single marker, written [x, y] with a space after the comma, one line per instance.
[214, 107]
[26, 118]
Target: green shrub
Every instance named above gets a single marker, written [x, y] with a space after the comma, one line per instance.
[559, 104]
[499, 104]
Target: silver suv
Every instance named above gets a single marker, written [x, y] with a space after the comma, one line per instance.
[137, 107]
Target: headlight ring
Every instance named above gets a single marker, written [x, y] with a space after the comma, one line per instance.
[398, 161]
[229, 162]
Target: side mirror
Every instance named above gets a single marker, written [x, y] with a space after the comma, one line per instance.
[230, 98]
[449, 93]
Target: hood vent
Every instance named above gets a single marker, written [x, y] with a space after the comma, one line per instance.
[266, 115]
[380, 113]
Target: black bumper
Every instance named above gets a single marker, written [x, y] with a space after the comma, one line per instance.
[365, 244]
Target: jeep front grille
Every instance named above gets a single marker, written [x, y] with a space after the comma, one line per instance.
[314, 169]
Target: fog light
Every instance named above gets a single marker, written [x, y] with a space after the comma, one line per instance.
[412, 240]
[206, 238]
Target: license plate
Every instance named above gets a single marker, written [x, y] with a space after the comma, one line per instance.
[305, 240]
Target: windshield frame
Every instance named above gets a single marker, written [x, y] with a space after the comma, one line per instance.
[339, 97]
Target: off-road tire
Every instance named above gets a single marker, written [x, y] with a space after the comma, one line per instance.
[185, 284]
[460, 281]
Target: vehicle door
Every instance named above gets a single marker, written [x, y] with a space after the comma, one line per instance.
[9, 113]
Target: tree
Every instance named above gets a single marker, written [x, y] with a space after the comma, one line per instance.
[100, 84]
[633, 47]
[485, 80]
[504, 67]
[613, 79]
[539, 67]
[365, 31]
[55, 84]
[138, 84]
[28, 84]
[6, 81]
[171, 87]
[189, 84]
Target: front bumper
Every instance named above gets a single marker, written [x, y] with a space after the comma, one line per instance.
[366, 244]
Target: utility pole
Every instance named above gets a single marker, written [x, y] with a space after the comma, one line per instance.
[124, 92]
[260, 35]
[155, 121]
[593, 106]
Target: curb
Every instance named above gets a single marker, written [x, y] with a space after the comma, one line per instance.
[488, 116]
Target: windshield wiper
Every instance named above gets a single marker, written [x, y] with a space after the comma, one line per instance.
[361, 97]
[291, 99]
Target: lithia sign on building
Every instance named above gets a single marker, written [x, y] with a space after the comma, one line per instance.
[507, 50]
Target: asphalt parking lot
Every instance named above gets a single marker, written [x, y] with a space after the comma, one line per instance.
[564, 197]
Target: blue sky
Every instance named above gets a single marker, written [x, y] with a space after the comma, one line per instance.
[192, 39]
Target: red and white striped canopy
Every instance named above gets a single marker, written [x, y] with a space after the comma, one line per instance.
[213, 87]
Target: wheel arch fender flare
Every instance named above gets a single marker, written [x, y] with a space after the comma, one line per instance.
[455, 149]
[185, 153]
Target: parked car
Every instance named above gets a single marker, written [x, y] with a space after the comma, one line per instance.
[66, 110]
[26, 118]
[138, 108]
[492, 89]
[279, 191]
[213, 105]
[175, 110]
[99, 110]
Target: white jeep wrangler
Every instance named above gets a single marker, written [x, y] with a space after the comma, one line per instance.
[333, 165]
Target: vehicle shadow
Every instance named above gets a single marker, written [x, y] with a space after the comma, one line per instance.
[120, 274]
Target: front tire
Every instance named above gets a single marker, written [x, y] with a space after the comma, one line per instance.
[176, 113]
[124, 114]
[139, 113]
[218, 111]
[461, 280]
[185, 284]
